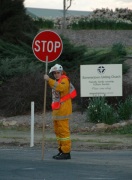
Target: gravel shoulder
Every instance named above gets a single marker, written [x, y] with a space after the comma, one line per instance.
[77, 121]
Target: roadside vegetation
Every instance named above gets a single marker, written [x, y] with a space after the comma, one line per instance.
[121, 130]
[120, 19]
[100, 111]
[107, 19]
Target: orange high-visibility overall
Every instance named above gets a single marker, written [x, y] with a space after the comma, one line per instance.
[61, 113]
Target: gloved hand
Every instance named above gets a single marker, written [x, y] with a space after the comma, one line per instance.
[46, 77]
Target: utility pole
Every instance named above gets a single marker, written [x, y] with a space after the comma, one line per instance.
[64, 15]
[65, 8]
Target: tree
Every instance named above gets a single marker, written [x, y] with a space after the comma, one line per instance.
[15, 24]
[65, 8]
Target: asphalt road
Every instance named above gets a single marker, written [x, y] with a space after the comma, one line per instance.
[20, 163]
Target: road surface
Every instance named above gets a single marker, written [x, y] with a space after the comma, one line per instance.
[23, 163]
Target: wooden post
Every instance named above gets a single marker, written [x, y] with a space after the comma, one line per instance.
[45, 93]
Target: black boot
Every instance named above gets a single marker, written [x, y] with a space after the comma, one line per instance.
[63, 156]
[60, 151]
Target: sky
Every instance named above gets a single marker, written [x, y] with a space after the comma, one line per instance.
[81, 5]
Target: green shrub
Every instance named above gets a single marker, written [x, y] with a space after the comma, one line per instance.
[100, 23]
[118, 50]
[18, 92]
[44, 23]
[100, 112]
[125, 109]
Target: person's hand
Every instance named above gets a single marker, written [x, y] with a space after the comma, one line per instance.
[46, 77]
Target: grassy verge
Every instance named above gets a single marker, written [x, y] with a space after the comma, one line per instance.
[122, 130]
[126, 130]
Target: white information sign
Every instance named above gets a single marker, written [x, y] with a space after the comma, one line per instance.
[101, 80]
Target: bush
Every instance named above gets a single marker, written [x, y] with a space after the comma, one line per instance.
[120, 19]
[100, 23]
[17, 93]
[119, 50]
[100, 112]
[44, 23]
[125, 109]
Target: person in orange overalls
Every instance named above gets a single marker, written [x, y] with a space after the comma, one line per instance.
[62, 93]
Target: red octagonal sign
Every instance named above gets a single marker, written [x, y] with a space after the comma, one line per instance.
[47, 44]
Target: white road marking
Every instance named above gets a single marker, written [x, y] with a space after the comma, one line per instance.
[30, 168]
[94, 178]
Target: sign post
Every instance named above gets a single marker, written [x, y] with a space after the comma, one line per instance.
[47, 47]
[45, 92]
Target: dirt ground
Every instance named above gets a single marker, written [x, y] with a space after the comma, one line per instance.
[82, 139]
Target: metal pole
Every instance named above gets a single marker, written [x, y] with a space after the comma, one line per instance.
[64, 16]
[32, 125]
[45, 92]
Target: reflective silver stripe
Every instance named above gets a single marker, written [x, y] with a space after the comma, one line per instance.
[63, 139]
[57, 138]
[55, 96]
[61, 117]
[55, 85]
[71, 87]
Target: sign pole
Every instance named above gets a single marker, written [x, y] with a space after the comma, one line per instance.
[47, 47]
[45, 92]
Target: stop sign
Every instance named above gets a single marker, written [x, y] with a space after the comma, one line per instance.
[47, 44]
